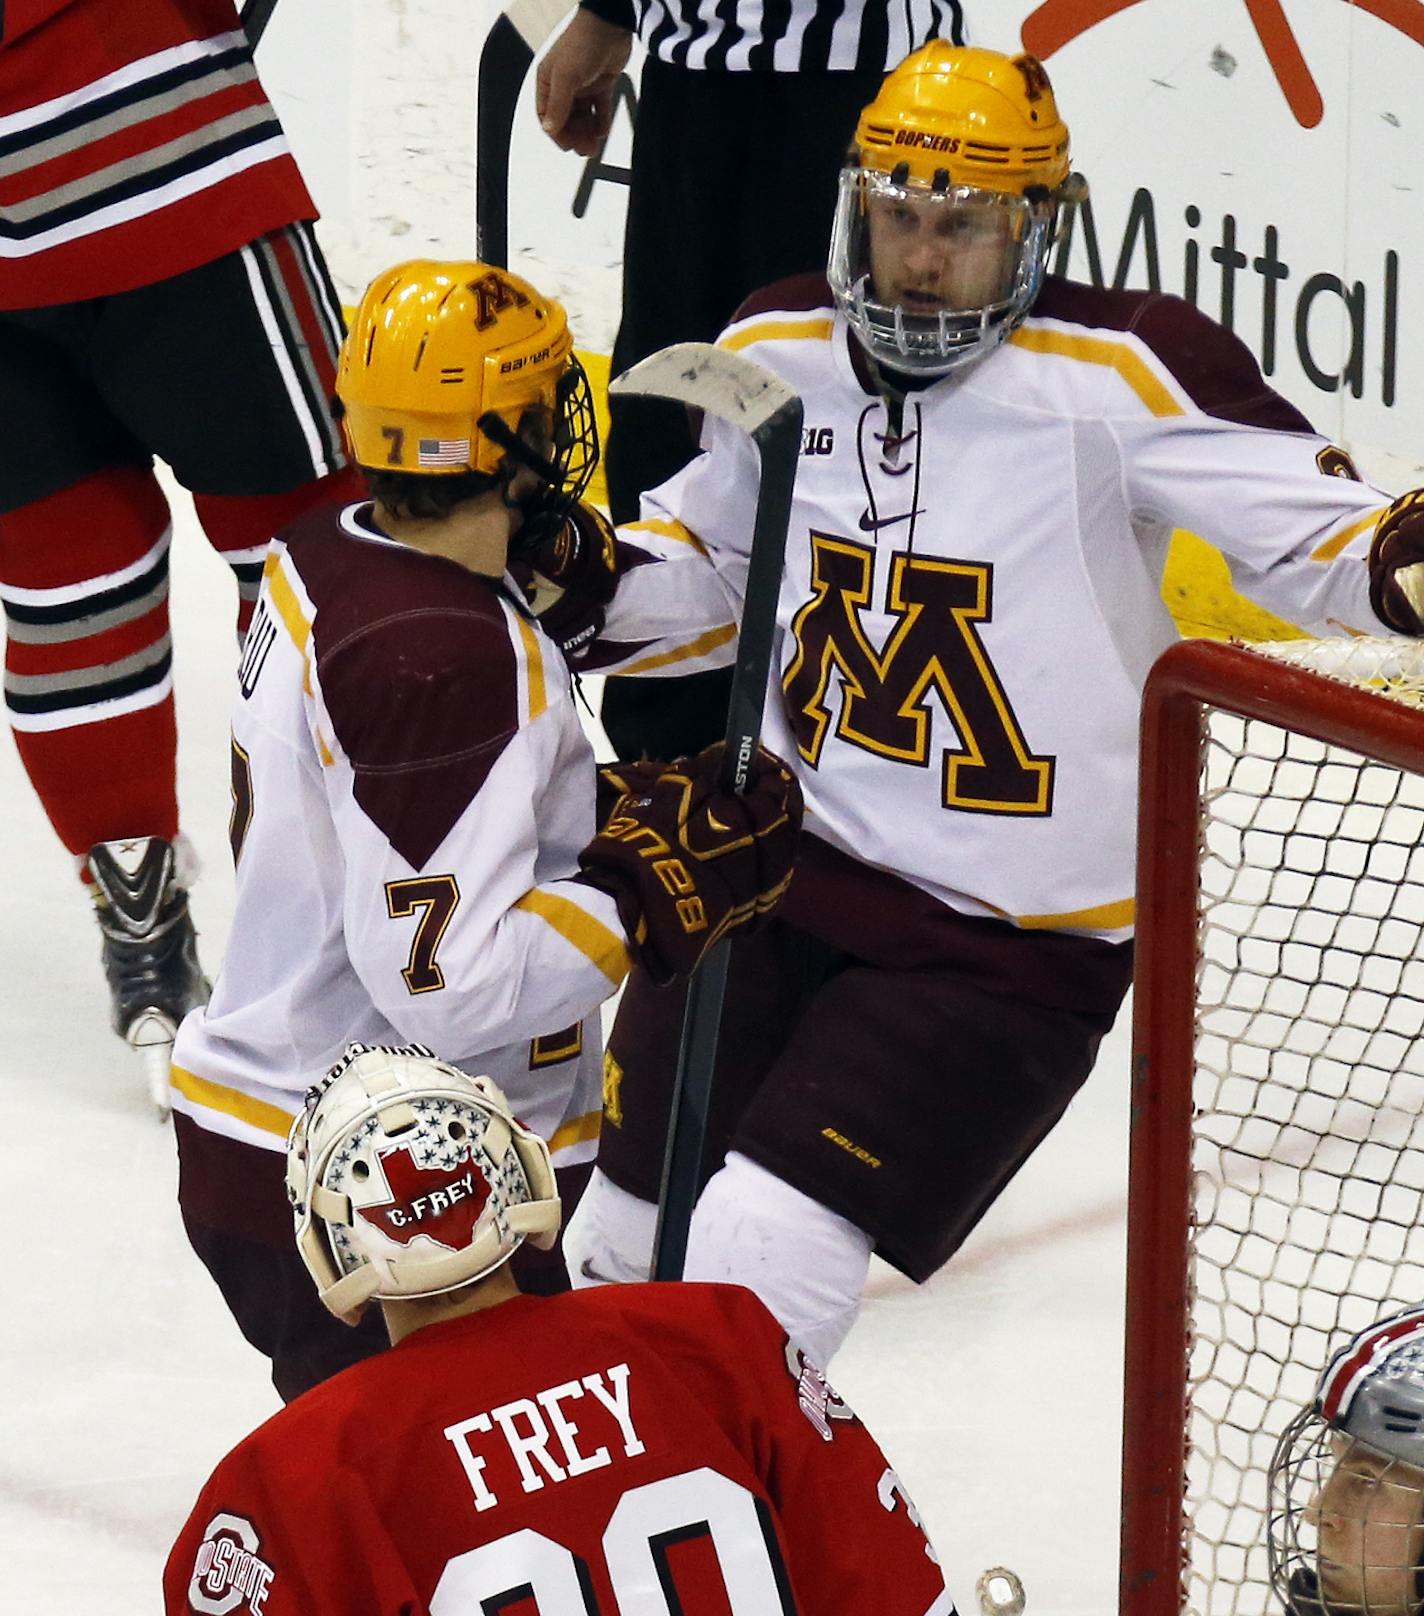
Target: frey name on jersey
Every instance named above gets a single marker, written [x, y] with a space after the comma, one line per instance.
[531, 1427]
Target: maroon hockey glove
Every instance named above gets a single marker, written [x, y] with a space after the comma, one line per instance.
[688, 862]
[1397, 565]
[573, 578]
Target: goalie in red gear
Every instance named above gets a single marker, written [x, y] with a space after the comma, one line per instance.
[579, 1452]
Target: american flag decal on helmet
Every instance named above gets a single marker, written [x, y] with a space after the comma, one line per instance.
[1350, 1366]
[443, 452]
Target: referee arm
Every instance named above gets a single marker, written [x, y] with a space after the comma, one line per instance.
[576, 79]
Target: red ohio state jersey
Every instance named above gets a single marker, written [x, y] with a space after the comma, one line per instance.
[135, 143]
[635, 1448]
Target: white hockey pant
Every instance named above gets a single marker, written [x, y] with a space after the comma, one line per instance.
[805, 1262]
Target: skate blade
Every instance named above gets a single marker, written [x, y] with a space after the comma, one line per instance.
[151, 1037]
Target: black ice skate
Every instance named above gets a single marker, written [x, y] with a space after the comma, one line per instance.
[150, 950]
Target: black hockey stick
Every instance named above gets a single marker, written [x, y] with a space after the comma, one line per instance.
[254, 17]
[509, 49]
[747, 396]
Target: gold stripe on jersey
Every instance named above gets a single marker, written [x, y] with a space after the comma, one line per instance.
[698, 647]
[589, 935]
[669, 530]
[817, 330]
[576, 1131]
[534, 662]
[1105, 917]
[289, 609]
[1332, 547]
[233, 1103]
[1126, 361]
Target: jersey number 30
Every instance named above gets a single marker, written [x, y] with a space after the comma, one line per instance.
[643, 1527]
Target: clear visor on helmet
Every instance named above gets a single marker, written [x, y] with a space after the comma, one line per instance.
[930, 277]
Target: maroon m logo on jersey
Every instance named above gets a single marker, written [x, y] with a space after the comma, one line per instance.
[933, 649]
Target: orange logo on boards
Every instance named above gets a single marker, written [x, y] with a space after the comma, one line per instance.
[1056, 23]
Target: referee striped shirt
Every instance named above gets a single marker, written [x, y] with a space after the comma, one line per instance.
[784, 36]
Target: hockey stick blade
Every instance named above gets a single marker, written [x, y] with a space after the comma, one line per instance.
[748, 396]
[519, 32]
[535, 20]
[737, 390]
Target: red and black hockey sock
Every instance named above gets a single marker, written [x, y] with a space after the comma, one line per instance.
[239, 526]
[88, 660]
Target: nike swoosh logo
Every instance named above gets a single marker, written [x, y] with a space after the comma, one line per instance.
[872, 524]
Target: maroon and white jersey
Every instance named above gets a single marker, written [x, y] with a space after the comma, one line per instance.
[135, 143]
[628, 1449]
[972, 592]
[411, 790]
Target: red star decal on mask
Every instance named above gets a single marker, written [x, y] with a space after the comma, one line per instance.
[443, 1203]
[1057, 22]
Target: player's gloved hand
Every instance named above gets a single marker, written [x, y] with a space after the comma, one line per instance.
[1397, 564]
[570, 578]
[688, 862]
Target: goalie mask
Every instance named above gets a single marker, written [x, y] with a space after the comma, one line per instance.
[453, 368]
[408, 1177]
[947, 207]
[1347, 1483]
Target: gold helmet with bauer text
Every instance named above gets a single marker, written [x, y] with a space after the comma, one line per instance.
[447, 367]
[968, 137]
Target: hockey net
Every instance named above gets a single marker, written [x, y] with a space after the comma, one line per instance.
[1276, 1200]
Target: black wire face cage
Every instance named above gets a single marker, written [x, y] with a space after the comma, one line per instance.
[575, 434]
[571, 462]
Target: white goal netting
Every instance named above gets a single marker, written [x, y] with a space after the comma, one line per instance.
[1308, 1093]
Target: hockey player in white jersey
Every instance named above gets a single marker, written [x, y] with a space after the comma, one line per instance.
[414, 798]
[993, 463]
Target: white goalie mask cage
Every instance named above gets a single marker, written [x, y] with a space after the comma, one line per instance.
[1346, 1522]
[408, 1177]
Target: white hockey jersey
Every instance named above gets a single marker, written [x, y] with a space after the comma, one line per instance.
[411, 788]
[972, 592]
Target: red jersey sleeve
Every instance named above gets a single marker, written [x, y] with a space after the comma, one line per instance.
[259, 1543]
[852, 1536]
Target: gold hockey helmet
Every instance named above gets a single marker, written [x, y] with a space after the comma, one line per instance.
[976, 116]
[442, 365]
[948, 205]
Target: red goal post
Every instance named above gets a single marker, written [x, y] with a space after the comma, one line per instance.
[1276, 1176]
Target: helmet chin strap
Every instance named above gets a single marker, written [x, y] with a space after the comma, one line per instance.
[541, 510]
[498, 431]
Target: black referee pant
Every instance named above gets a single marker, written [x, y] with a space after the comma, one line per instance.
[733, 186]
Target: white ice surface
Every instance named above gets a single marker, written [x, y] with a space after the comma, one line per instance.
[994, 1390]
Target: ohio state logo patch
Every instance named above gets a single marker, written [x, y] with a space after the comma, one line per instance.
[818, 1400]
[228, 1573]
